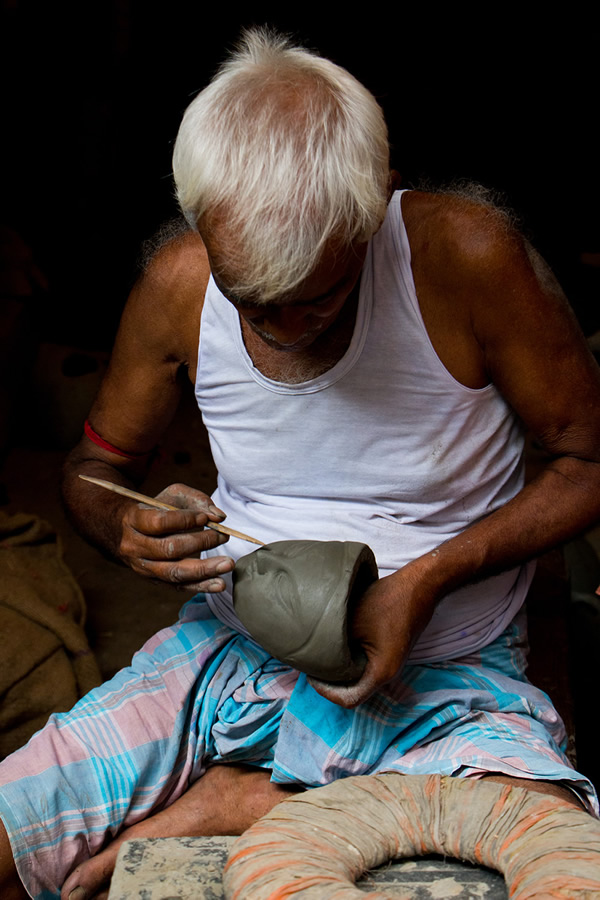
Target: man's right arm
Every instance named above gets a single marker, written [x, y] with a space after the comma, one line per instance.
[155, 350]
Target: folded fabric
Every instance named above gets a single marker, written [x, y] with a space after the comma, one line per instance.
[46, 664]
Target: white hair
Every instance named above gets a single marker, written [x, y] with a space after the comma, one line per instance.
[284, 153]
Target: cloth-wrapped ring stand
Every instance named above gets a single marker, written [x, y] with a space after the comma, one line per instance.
[316, 845]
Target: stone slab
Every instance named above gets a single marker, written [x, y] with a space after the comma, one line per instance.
[190, 869]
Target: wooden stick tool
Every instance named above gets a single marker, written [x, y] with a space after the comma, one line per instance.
[158, 504]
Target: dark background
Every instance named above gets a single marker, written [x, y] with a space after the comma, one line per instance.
[95, 92]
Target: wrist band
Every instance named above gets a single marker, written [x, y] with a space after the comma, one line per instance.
[100, 442]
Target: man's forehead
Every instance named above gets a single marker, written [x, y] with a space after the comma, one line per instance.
[336, 267]
[293, 299]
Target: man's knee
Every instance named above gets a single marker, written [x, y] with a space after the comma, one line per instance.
[550, 788]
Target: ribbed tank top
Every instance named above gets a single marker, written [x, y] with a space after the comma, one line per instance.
[386, 447]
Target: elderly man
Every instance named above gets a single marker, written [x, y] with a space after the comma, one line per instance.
[364, 360]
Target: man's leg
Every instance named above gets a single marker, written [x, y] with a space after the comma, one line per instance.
[133, 745]
[550, 788]
[226, 800]
[10, 883]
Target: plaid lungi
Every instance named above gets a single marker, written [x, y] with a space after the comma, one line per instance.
[199, 693]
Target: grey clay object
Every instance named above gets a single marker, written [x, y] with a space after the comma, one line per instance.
[295, 598]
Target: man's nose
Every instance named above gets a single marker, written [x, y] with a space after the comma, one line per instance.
[286, 324]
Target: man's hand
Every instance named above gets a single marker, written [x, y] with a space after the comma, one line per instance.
[166, 544]
[387, 622]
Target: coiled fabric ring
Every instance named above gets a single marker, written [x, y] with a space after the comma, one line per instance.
[317, 844]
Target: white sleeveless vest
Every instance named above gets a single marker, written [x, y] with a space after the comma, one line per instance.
[386, 447]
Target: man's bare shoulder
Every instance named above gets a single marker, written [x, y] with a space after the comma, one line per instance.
[166, 302]
[485, 293]
[462, 234]
[177, 268]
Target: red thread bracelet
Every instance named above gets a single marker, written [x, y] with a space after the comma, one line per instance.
[100, 442]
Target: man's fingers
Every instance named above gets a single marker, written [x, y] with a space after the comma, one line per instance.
[187, 498]
[194, 574]
[163, 521]
[173, 546]
[166, 545]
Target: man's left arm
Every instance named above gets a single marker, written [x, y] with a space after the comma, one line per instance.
[537, 357]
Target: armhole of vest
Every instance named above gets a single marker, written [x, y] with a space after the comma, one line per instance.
[199, 334]
[404, 252]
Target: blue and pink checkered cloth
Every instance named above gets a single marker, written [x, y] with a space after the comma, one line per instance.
[199, 693]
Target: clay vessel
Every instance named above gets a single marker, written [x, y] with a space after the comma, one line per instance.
[296, 599]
